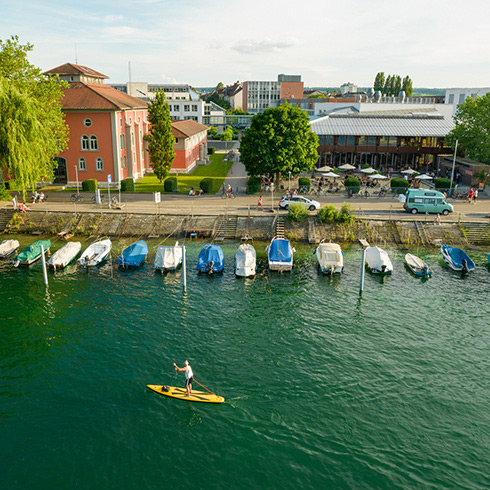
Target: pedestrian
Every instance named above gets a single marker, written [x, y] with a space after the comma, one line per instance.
[259, 204]
[475, 196]
[189, 375]
[437, 219]
[470, 195]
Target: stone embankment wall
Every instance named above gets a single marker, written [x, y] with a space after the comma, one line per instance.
[379, 232]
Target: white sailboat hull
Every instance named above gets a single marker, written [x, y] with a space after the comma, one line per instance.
[245, 261]
[330, 258]
[95, 253]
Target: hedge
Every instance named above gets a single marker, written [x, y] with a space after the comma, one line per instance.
[254, 184]
[171, 185]
[206, 185]
[304, 182]
[297, 211]
[352, 184]
[399, 185]
[127, 185]
[328, 214]
[89, 185]
[442, 183]
[211, 150]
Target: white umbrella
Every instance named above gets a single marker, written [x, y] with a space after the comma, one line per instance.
[347, 166]
[325, 168]
[331, 174]
[368, 170]
[423, 177]
[377, 176]
[409, 171]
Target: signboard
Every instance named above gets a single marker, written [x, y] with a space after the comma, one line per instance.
[109, 178]
[157, 197]
[97, 196]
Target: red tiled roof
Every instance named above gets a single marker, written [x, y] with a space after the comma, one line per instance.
[187, 128]
[72, 69]
[87, 96]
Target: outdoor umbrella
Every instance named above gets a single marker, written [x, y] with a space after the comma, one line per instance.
[347, 166]
[325, 168]
[368, 170]
[409, 171]
[331, 174]
[423, 177]
[377, 176]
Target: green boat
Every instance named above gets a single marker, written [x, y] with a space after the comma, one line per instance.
[32, 253]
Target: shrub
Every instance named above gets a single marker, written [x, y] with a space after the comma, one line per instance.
[212, 131]
[206, 185]
[127, 185]
[399, 185]
[11, 185]
[4, 195]
[171, 185]
[345, 214]
[89, 185]
[211, 150]
[304, 182]
[352, 184]
[328, 214]
[297, 211]
[442, 183]
[254, 185]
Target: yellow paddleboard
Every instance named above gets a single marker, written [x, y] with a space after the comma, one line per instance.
[181, 394]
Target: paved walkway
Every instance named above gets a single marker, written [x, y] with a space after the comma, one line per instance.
[237, 177]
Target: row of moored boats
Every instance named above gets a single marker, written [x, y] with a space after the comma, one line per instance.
[211, 259]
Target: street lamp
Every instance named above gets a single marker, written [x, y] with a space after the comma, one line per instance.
[289, 185]
[76, 172]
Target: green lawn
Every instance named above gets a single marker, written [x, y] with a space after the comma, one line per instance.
[216, 170]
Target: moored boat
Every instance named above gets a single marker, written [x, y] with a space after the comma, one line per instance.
[134, 255]
[8, 247]
[330, 258]
[245, 260]
[457, 259]
[32, 253]
[378, 261]
[168, 258]
[65, 255]
[280, 254]
[418, 266]
[211, 259]
[95, 253]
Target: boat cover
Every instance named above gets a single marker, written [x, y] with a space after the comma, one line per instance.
[134, 255]
[280, 250]
[210, 253]
[378, 260]
[168, 257]
[454, 258]
[33, 251]
[245, 256]
[7, 247]
[65, 254]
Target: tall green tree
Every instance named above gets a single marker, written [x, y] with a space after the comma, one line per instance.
[32, 126]
[472, 128]
[387, 86]
[279, 140]
[160, 138]
[407, 86]
[379, 81]
[397, 85]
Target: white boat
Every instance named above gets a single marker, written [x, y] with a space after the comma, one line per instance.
[418, 266]
[168, 258]
[245, 260]
[8, 247]
[94, 254]
[66, 254]
[378, 261]
[330, 258]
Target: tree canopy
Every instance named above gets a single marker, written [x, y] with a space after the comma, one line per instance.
[393, 84]
[379, 81]
[279, 140]
[160, 138]
[32, 127]
[472, 128]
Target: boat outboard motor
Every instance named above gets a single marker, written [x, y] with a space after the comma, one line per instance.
[383, 268]
[425, 270]
[464, 265]
[210, 266]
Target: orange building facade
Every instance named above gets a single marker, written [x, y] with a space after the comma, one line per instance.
[191, 147]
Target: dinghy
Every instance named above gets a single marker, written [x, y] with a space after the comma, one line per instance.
[168, 258]
[456, 259]
[32, 253]
[134, 255]
[211, 259]
[8, 247]
[330, 258]
[245, 260]
[97, 252]
[378, 261]
[65, 255]
[418, 266]
[280, 254]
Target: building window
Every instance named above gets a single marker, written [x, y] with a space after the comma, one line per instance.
[341, 141]
[176, 140]
[130, 121]
[186, 108]
[462, 98]
[120, 122]
[451, 99]
[87, 122]
[132, 138]
[81, 164]
[125, 162]
[350, 141]
[85, 143]
[99, 164]
[123, 142]
[94, 145]
[194, 107]
[176, 108]
[383, 141]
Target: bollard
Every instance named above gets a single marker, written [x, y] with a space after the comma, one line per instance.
[363, 270]
[184, 270]
[45, 272]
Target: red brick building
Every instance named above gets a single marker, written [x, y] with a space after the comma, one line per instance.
[191, 147]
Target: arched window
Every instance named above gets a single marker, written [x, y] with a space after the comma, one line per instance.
[85, 143]
[94, 145]
[99, 164]
[81, 164]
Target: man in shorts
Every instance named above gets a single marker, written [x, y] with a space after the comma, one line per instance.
[188, 376]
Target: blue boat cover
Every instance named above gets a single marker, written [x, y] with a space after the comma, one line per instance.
[457, 255]
[280, 250]
[134, 255]
[210, 253]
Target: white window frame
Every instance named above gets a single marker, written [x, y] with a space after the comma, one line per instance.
[84, 142]
[82, 164]
[94, 143]
[99, 164]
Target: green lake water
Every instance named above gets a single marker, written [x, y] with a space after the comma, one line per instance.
[323, 389]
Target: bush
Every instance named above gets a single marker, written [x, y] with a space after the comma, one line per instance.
[4, 195]
[304, 182]
[89, 185]
[297, 211]
[345, 214]
[171, 185]
[352, 184]
[211, 150]
[399, 185]
[127, 185]
[11, 185]
[443, 184]
[254, 184]
[206, 185]
[328, 214]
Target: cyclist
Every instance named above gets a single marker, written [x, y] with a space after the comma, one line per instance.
[229, 190]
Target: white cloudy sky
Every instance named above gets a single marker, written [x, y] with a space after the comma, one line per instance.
[438, 43]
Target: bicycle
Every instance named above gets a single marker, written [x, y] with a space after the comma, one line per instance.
[228, 195]
[76, 198]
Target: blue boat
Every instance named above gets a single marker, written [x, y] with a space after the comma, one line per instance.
[211, 259]
[280, 254]
[488, 258]
[457, 259]
[134, 255]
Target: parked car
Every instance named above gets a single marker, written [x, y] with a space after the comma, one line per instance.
[311, 205]
[426, 201]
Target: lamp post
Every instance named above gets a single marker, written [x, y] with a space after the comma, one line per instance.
[289, 184]
[76, 173]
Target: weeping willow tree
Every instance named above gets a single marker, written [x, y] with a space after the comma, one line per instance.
[32, 127]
